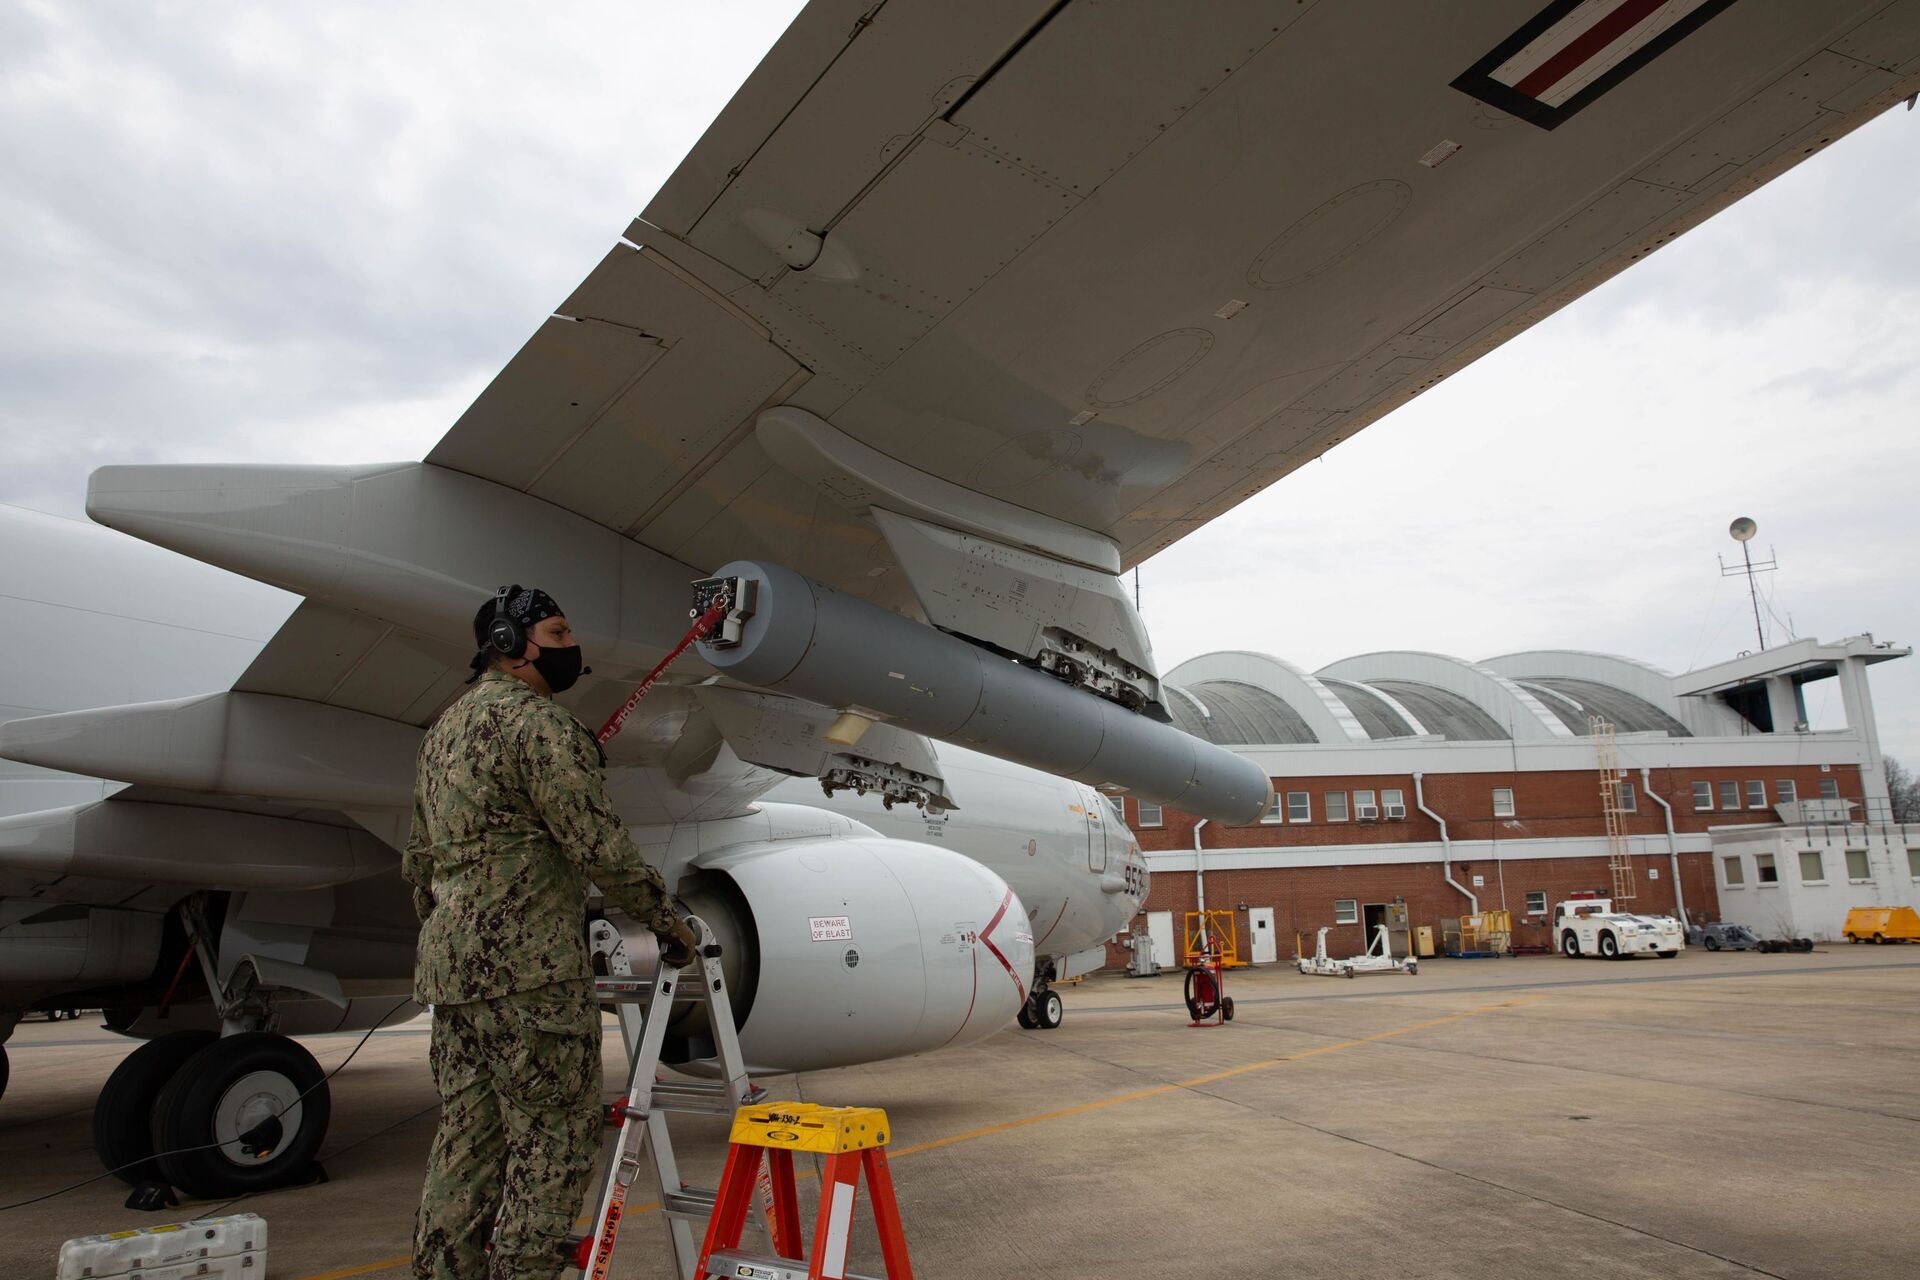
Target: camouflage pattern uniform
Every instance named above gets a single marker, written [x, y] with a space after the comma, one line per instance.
[511, 821]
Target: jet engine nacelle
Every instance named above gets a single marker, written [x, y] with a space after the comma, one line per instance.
[856, 950]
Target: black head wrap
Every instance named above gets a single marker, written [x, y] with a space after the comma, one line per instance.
[526, 606]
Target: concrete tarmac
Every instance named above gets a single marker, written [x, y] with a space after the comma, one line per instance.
[1707, 1116]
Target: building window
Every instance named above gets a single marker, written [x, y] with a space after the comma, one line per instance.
[1783, 787]
[1393, 803]
[1346, 911]
[1702, 797]
[1756, 794]
[1829, 788]
[1857, 868]
[1536, 902]
[1299, 806]
[1503, 802]
[1149, 814]
[1913, 863]
[1273, 813]
[1336, 806]
[1730, 796]
[1763, 869]
[1628, 799]
[1812, 869]
[1732, 870]
[1363, 806]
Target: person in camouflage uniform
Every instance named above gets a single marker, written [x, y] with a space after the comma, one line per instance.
[510, 824]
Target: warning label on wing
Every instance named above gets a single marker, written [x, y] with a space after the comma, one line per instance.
[831, 928]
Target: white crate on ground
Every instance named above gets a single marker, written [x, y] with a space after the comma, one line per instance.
[229, 1248]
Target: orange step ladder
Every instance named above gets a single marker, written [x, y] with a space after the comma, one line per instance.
[854, 1140]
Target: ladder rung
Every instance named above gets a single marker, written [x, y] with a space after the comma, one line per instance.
[764, 1267]
[695, 1202]
[691, 1089]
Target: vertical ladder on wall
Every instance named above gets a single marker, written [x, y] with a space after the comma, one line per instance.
[1619, 861]
[639, 1117]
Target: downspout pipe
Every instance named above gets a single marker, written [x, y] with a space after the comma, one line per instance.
[1199, 871]
[1446, 847]
[1673, 847]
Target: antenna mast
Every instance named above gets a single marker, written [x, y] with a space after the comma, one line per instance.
[1742, 531]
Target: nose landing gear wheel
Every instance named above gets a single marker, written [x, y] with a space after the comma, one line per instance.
[1048, 1010]
[123, 1113]
[244, 1094]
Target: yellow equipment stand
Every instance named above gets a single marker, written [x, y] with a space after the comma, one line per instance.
[1221, 930]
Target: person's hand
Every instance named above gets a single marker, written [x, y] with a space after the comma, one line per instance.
[677, 945]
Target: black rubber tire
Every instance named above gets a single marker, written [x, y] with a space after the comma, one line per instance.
[6, 1071]
[1713, 943]
[123, 1112]
[1879, 939]
[1049, 1010]
[1025, 1016]
[1803, 944]
[1202, 995]
[184, 1116]
[1609, 946]
[1226, 1008]
[1570, 945]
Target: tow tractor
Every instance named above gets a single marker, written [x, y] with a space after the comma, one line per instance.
[1587, 925]
[1379, 958]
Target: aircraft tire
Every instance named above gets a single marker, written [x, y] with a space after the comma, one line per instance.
[1025, 1016]
[1049, 1010]
[228, 1088]
[123, 1113]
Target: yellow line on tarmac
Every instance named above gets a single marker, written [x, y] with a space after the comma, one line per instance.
[895, 1153]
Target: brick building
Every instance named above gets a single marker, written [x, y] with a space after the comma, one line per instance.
[1456, 787]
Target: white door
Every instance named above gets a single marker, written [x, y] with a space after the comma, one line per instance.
[1260, 922]
[1160, 929]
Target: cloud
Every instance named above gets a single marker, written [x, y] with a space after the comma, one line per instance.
[312, 233]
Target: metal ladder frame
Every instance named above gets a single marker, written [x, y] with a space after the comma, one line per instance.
[645, 1007]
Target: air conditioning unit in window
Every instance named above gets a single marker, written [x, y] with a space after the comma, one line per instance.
[1366, 813]
[1396, 812]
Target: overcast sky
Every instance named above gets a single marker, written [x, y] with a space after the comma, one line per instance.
[312, 233]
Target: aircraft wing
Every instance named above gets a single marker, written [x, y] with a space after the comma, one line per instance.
[1083, 276]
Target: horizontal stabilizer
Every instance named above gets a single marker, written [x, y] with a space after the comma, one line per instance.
[408, 543]
[238, 744]
[144, 843]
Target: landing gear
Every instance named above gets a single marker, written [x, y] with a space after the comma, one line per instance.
[1043, 1011]
[123, 1114]
[245, 1113]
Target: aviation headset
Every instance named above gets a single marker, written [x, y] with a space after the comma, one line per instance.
[506, 634]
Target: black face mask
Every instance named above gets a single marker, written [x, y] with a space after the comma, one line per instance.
[560, 667]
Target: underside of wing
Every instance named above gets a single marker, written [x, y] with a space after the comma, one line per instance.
[1122, 265]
